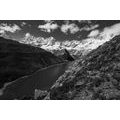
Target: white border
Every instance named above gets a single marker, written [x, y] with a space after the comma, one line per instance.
[59, 110]
[59, 10]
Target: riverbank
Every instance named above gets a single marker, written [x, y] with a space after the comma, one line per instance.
[42, 79]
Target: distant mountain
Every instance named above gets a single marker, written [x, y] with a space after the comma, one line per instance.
[17, 59]
[50, 44]
[75, 47]
[94, 76]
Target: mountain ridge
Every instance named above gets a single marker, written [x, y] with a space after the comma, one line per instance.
[74, 47]
[17, 59]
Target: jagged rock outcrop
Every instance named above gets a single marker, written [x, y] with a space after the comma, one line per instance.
[95, 76]
[65, 55]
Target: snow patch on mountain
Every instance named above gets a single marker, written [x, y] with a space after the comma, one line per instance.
[92, 41]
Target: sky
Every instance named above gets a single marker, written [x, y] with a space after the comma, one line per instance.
[61, 30]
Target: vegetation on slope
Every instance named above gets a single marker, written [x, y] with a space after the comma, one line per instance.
[18, 60]
[95, 76]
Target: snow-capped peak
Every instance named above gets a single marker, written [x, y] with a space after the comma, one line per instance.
[92, 41]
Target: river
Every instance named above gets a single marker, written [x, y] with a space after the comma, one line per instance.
[42, 79]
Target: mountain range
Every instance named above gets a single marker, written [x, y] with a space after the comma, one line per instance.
[75, 47]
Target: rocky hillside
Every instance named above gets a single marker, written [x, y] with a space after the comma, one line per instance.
[18, 60]
[95, 76]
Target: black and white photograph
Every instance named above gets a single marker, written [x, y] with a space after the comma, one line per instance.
[60, 60]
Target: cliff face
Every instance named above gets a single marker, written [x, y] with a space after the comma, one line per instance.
[18, 60]
[95, 76]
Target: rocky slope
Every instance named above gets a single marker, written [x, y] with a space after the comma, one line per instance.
[95, 76]
[18, 60]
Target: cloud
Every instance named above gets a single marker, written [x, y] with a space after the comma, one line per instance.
[8, 28]
[107, 33]
[27, 35]
[73, 28]
[112, 31]
[23, 24]
[85, 21]
[93, 33]
[87, 28]
[2, 31]
[48, 27]
[97, 38]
